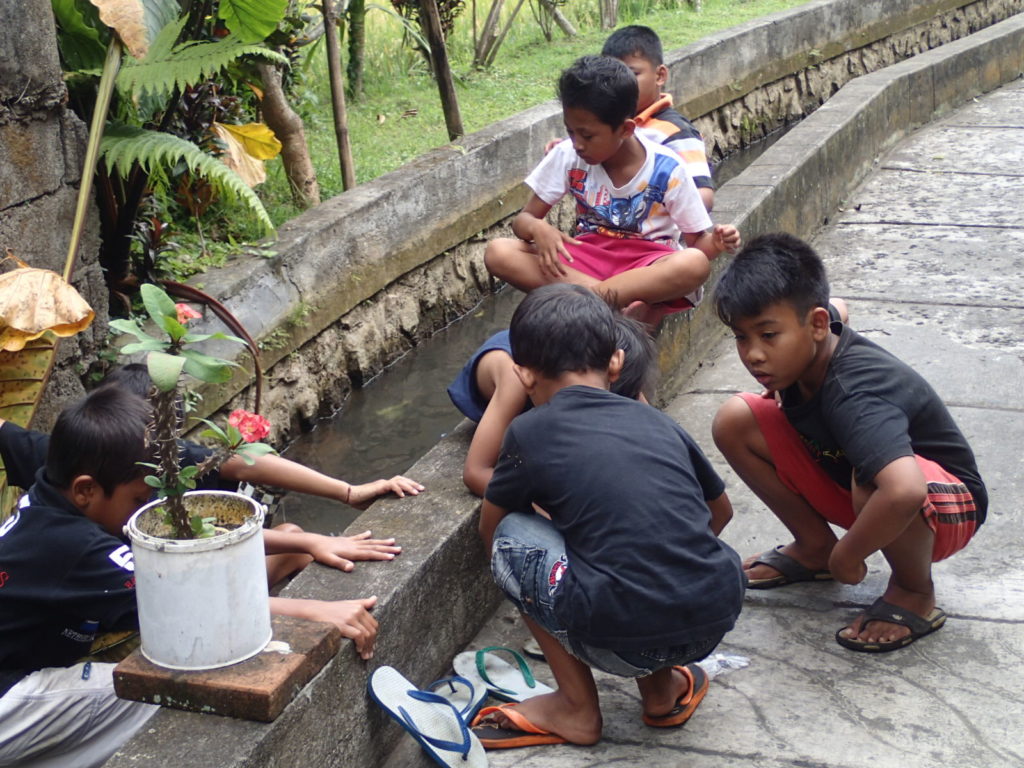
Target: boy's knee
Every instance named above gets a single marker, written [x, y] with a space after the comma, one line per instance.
[497, 253]
[733, 419]
[691, 269]
[288, 528]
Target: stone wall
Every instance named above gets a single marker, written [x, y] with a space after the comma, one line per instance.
[41, 149]
[369, 273]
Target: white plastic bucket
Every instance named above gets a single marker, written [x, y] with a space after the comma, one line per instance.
[203, 603]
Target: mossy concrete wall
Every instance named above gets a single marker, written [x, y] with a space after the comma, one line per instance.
[435, 596]
[367, 274]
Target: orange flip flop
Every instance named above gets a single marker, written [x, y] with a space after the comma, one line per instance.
[686, 704]
[525, 733]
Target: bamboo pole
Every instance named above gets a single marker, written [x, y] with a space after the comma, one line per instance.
[348, 173]
[442, 70]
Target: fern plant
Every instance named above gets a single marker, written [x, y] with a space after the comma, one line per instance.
[170, 51]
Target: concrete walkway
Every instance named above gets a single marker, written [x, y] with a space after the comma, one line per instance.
[929, 252]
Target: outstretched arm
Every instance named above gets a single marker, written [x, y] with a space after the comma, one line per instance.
[352, 617]
[279, 472]
[336, 551]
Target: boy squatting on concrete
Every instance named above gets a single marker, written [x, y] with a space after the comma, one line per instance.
[610, 471]
[634, 201]
[67, 575]
[845, 434]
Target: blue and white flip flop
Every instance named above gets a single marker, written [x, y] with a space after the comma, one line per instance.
[431, 719]
[461, 694]
[508, 682]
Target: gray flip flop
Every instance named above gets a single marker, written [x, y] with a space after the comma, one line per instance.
[790, 571]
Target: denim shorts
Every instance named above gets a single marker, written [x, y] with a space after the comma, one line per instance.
[528, 562]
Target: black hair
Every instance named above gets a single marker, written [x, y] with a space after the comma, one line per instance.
[638, 368]
[102, 435]
[634, 40]
[601, 85]
[133, 377]
[771, 268]
[560, 328]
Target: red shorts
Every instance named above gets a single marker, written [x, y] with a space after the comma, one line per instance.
[947, 509]
[602, 257]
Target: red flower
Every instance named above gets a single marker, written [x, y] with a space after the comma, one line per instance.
[186, 313]
[252, 426]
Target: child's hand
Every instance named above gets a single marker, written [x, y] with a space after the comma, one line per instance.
[846, 570]
[726, 237]
[550, 245]
[552, 144]
[353, 618]
[339, 551]
[360, 496]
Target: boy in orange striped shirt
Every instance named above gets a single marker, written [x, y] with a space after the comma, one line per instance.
[639, 48]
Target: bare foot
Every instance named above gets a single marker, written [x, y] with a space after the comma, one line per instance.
[662, 700]
[814, 560]
[876, 631]
[553, 712]
[648, 314]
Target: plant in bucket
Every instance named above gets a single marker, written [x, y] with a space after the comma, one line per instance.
[199, 560]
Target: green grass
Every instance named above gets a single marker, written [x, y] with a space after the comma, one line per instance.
[523, 75]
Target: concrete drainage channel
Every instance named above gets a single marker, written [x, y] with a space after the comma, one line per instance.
[438, 593]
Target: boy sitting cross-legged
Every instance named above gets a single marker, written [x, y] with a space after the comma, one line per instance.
[66, 575]
[634, 199]
[628, 575]
[845, 434]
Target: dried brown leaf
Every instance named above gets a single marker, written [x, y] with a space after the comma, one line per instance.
[128, 19]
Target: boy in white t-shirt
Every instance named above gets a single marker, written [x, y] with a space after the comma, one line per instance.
[635, 201]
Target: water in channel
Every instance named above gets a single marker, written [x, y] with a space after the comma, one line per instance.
[399, 415]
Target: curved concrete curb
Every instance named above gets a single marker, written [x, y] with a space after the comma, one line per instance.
[437, 594]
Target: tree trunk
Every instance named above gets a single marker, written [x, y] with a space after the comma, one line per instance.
[356, 47]
[442, 70]
[348, 170]
[288, 127]
[609, 13]
[501, 37]
[559, 19]
[488, 33]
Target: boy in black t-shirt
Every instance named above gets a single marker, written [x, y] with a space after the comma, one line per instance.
[66, 575]
[611, 472]
[845, 434]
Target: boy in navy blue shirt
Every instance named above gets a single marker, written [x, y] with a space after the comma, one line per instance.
[610, 471]
[66, 575]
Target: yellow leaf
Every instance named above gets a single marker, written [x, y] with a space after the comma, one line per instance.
[127, 18]
[248, 168]
[258, 140]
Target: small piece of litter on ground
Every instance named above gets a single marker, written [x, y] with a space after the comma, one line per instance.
[277, 646]
[720, 663]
